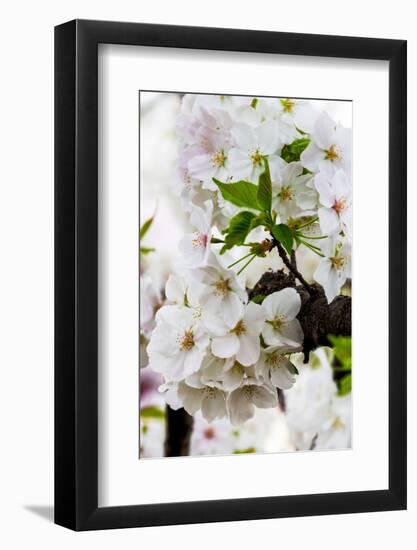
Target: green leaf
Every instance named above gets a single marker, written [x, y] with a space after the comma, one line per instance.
[239, 227]
[284, 235]
[342, 349]
[146, 250]
[254, 102]
[244, 451]
[265, 189]
[258, 299]
[241, 193]
[262, 219]
[345, 385]
[292, 368]
[292, 151]
[145, 227]
[152, 412]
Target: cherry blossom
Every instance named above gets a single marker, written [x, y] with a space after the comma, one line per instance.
[178, 343]
[211, 401]
[222, 296]
[335, 194]
[250, 146]
[275, 367]
[330, 143]
[292, 194]
[241, 403]
[195, 246]
[242, 339]
[281, 327]
[335, 267]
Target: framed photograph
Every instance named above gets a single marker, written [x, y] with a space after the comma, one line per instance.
[230, 252]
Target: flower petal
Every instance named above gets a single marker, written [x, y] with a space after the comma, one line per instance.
[213, 404]
[249, 350]
[291, 333]
[225, 346]
[281, 377]
[233, 377]
[191, 398]
[240, 408]
[329, 221]
[264, 397]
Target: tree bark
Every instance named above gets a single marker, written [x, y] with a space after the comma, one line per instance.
[179, 426]
[317, 317]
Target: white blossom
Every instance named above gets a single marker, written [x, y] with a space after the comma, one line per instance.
[241, 402]
[150, 301]
[292, 194]
[178, 344]
[330, 143]
[211, 401]
[281, 327]
[317, 416]
[275, 367]
[250, 146]
[335, 267]
[195, 246]
[242, 339]
[335, 193]
[222, 296]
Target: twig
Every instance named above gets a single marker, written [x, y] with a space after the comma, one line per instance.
[293, 269]
[293, 259]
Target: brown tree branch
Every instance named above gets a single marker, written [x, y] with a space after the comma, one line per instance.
[179, 426]
[317, 317]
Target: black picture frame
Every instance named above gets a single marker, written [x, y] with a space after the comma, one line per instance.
[76, 272]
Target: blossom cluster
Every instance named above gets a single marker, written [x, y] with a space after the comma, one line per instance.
[255, 173]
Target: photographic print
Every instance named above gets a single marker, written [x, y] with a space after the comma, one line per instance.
[245, 244]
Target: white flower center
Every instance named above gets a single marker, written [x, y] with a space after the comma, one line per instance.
[197, 311]
[278, 322]
[199, 240]
[286, 193]
[274, 361]
[337, 262]
[333, 153]
[219, 158]
[239, 329]
[209, 393]
[186, 341]
[340, 205]
[337, 423]
[221, 287]
[256, 158]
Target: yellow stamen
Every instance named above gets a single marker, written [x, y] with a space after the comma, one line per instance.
[222, 287]
[239, 328]
[332, 153]
[256, 158]
[337, 262]
[219, 158]
[286, 193]
[186, 342]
